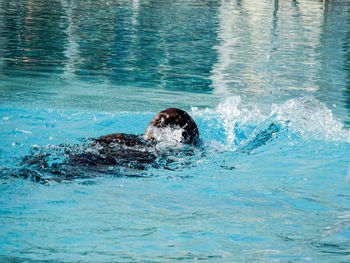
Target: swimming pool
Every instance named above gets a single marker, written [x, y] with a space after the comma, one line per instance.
[70, 70]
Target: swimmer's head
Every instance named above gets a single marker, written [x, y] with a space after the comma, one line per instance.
[177, 122]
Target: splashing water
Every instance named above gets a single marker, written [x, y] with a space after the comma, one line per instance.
[302, 117]
[310, 117]
[167, 136]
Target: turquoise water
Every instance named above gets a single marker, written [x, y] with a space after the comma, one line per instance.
[70, 70]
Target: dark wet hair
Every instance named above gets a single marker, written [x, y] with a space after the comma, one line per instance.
[174, 118]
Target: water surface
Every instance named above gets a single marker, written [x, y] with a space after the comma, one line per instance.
[70, 70]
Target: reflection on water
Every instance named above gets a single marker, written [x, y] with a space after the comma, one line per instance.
[33, 33]
[346, 48]
[282, 45]
[266, 49]
[164, 44]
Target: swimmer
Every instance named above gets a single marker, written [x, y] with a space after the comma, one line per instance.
[108, 154]
[138, 151]
[171, 119]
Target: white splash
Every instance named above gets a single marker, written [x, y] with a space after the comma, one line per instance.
[231, 116]
[166, 136]
[310, 117]
[307, 117]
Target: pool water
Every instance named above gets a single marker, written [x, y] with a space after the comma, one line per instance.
[268, 84]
